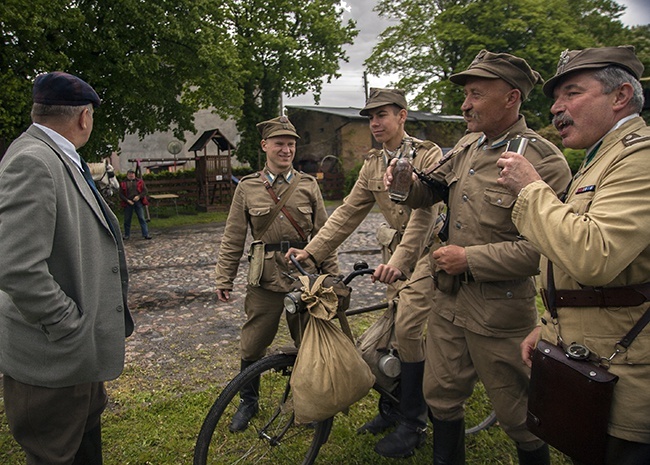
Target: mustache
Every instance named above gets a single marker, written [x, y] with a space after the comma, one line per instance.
[562, 119]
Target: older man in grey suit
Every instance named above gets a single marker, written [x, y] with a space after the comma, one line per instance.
[63, 282]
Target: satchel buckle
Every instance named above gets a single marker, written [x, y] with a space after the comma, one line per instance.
[285, 246]
[577, 352]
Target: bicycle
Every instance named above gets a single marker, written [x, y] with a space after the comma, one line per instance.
[272, 435]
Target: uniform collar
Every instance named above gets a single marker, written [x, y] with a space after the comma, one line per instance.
[518, 128]
[388, 155]
[287, 175]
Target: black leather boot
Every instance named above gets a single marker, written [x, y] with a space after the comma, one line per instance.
[539, 456]
[248, 406]
[90, 449]
[384, 420]
[449, 442]
[411, 430]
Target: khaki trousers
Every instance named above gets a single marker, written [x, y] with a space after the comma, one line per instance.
[263, 312]
[457, 358]
[413, 308]
[49, 423]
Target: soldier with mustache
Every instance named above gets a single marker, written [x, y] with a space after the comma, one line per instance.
[484, 298]
[597, 239]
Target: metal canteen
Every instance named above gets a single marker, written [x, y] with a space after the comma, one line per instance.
[390, 365]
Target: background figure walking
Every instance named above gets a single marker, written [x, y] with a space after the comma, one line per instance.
[133, 193]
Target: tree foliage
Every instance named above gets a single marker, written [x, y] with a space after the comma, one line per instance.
[154, 63]
[434, 39]
[287, 47]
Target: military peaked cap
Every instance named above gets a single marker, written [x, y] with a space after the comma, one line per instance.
[280, 126]
[379, 97]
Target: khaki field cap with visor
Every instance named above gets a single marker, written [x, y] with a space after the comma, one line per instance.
[379, 97]
[514, 70]
[594, 58]
[59, 88]
[280, 126]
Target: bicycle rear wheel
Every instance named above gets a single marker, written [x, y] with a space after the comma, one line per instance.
[478, 411]
[272, 437]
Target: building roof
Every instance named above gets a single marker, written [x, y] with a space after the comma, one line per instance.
[211, 135]
[353, 113]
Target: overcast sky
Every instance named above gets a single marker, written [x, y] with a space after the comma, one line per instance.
[347, 91]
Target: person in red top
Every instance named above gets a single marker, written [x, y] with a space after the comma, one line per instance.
[133, 193]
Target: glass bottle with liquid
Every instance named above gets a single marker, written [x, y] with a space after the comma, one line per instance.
[402, 173]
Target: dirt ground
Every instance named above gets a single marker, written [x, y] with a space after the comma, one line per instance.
[179, 320]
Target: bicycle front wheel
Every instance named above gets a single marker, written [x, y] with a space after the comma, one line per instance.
[272, 437]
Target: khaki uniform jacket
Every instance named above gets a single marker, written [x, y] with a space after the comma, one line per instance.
[63, 279]
[500, 301]
[368, 190]
[601, 237]
[251, 207]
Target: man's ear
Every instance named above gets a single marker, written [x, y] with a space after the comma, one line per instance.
[513, 98]
[622, 96]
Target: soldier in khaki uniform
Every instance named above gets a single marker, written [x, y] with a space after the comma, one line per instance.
[252, 206]
[599, 238]
[405, 241]
[484, 301]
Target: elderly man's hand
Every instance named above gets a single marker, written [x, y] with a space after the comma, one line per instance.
[515, 172]
[528, 346]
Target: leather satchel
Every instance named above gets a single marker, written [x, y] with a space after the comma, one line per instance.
[570, 396]
[569, 402]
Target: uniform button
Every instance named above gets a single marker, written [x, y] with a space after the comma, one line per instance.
[499, 201]
[281, 216]
[457, 225]
[401, 212]
[471, 172]
[119, 308]
[465, 198]
[509, 295]
[115, 269]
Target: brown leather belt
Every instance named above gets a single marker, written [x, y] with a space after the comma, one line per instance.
[284, 246]
[624, 296]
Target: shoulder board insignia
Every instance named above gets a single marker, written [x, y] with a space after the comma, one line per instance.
[634, 138]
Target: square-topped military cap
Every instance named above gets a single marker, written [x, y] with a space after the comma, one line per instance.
[280, 126]
[59, 88]
[514, 70]
[594, 58]
[379, 97]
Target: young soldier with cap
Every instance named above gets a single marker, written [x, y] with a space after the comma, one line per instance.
[63, 281]
[301, 217]
[406, 241]
[598, 238]
[484, 300]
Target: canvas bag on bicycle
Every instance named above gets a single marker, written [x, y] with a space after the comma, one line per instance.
[329, 374]
[257, 251]
[570, 396]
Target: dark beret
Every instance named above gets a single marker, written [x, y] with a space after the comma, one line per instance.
[280, 126]
[58, 88]
[594, 58]
[514, 70]
[379, 97]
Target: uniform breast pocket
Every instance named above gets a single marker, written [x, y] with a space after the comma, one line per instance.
[305, 219]
[259, 216]
[581, 202]
[496, 210]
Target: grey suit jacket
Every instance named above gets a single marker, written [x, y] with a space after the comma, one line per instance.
[63, 275]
